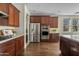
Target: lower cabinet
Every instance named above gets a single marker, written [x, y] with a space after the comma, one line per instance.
[69, 47]
[13, 47]
[54, 37]
[19, 45]
[64, 46]
[7, 48]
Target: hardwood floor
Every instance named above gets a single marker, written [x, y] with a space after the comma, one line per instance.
[43, 49]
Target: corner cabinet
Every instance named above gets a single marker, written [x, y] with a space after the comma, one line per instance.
[13, 19]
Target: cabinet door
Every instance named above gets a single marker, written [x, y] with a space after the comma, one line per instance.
[4, 7]
[7, 48]
[53, 22]
[65, 46]
[45, 20]
[54, 37]
[19, 45]
[3, 22]
[11, 15]
[16, 21]
[35, 19]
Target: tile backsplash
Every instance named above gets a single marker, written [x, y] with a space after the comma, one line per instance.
[14, 29]
[54, 30]
[6, 27]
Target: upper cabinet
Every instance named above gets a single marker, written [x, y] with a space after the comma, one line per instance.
[16, 21]
[35, 19]
[13, 15]
[53, 22]
[45, 20]
[4, 7]
[13, 19]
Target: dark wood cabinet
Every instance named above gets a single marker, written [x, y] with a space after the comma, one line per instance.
[13, 15]
[53, 22]
[54, 37]
[45, 20]
[64, 46]
[7, 48]
[35, 19]
[19, 45]
[16, 16]
[4, 7]
[13, 47]
[69, 47]
[3, 22]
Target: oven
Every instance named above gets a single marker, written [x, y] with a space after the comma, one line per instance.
[44, 32]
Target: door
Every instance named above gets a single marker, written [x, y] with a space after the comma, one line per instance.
[35, 32]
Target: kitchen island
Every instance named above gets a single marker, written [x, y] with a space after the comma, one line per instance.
[69, 45]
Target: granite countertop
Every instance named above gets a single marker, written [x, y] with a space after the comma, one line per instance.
[10, 39]
[72, 37]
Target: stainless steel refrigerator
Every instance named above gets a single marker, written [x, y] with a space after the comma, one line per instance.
[34, 32]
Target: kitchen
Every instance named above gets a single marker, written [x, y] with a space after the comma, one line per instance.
[57, 25]
[38, 29]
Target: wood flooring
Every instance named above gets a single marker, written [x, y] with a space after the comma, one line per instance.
[43, 49]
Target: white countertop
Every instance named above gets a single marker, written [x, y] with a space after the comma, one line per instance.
[73, 37]
[10, 39]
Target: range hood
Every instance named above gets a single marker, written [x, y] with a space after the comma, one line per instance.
[3, 14]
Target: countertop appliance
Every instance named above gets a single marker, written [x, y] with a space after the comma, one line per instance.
[34, 32]
[44, 32]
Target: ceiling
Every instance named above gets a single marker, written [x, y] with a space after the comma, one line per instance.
[53, 8]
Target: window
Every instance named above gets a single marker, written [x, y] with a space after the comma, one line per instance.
[66, 24]
[71, 24]
[74, 25]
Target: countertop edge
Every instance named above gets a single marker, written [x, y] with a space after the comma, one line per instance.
[70, 38]
[10, 39]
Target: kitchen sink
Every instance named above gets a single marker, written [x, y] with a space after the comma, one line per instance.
[5, 37]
